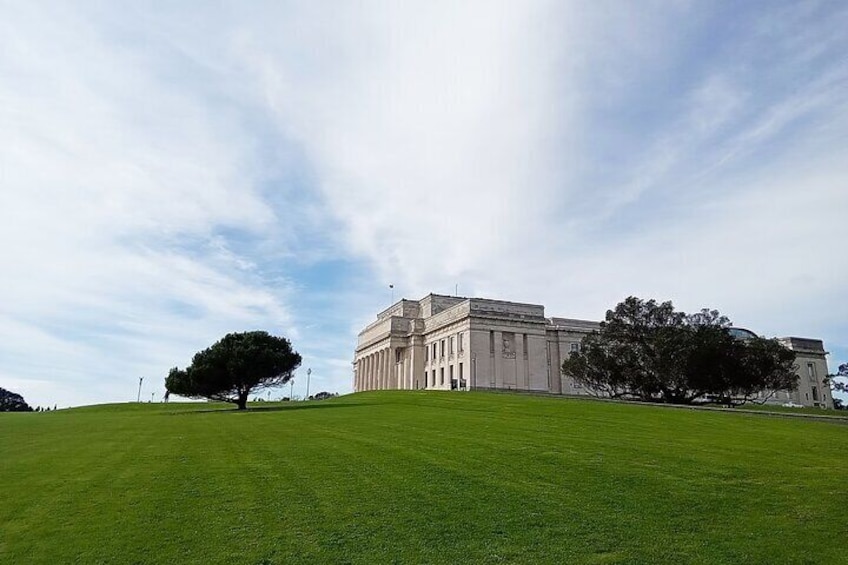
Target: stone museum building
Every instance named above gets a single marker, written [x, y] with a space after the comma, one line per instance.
[455, 343]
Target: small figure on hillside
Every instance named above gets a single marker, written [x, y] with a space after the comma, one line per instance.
[167, 395]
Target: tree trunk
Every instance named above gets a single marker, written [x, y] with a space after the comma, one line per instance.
[242, 401]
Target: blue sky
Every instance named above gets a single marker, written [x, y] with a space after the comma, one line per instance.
[170, 173]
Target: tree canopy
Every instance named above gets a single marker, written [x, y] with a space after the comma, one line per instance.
[648, 351]
[235, 366]
[839, 383]
[12, 402]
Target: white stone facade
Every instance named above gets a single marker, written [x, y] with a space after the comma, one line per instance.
[811, 363]
[455, 343]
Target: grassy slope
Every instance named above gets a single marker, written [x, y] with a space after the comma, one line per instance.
[420, 477]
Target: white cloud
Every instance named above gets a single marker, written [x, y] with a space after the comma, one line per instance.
[115, 182]
[558, 153]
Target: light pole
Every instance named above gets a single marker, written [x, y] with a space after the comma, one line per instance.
[291, 391]
[308, 374]
[391, 286]
[138, 399]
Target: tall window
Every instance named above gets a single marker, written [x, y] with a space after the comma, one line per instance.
[426, 354]
[815, 394]
[434, 352]
[443, 347]
[442, 376]
[525, 346]
[451, 344]
[461, 348]
[492, 342]
[811, 371]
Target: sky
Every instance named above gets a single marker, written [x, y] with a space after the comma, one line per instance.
[172, 172]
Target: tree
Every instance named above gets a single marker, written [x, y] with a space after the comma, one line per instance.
[235, 366]
[12, 402]
[648, 351]
[838, 383]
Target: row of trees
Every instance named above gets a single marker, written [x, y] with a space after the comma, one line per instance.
[649, 351]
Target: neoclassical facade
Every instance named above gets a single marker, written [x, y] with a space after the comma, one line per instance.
[455, 343]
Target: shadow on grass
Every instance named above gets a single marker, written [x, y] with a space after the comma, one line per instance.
[291, 407]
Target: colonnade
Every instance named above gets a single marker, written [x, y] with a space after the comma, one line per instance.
[380, 370]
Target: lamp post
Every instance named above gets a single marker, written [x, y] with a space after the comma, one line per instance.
[308, 374]
[291, 391]
[391, 286]
[138, 399]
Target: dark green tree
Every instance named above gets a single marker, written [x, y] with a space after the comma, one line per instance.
[12, 402]
[648, 351]
[838, 383]
[235, 366]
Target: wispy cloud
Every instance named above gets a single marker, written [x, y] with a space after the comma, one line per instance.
[170, 176]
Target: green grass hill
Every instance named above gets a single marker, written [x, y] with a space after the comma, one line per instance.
[414, 477]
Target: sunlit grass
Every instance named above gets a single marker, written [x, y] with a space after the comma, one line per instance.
[413, 477]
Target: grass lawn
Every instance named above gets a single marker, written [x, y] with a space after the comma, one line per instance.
[805, 410]
[414, 477]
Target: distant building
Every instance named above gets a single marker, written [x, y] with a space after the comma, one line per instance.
[811, 360]
[455, 343]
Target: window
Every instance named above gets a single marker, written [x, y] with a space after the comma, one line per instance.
[525, 346]
[442, 376]
[575, 347]
[426, 354]
[451, 344]
[815, 394]
[398, 355]
[492, 342]
[461, 348]
[811, 371]
[460, 371]
[434, 351]
[443, 348]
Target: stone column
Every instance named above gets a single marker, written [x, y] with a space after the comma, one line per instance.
[392, 381]
[402, 376]
[386, 369]
[381, 369]
[375, 370]
[390, 368]
[369, 372]
[356, 376]
[378, 369]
